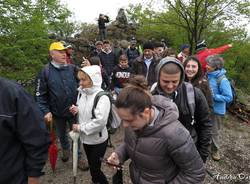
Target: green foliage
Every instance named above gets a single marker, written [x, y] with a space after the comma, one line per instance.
[189, 21]
[88, 31]
[237, 64]
[24, 29]
[192, 18]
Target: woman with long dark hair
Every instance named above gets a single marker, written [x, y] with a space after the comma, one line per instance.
[193, 74]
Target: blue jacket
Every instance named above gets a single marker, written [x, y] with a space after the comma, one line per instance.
[24, 140]
[56, 90]
[221, 92]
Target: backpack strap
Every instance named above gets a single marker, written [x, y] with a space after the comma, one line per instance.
[46, 72]
[96, 99]
[74, 69]
[191, 100]
[218, 80]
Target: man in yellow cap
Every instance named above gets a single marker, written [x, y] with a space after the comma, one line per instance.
[57, 52]
[56, 91]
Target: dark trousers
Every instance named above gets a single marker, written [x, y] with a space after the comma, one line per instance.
[61, 129]
[102, 34]
[94, 153]
[62, 125]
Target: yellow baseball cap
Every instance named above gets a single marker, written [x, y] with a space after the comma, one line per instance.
[57, 46]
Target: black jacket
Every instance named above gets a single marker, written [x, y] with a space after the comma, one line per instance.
[132, 54]
[102, 21]
[24, 140]
[108, 61]
[202, 128]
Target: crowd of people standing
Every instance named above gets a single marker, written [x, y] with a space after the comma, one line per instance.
[171, 107]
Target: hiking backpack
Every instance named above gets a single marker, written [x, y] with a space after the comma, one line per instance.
[218, 81]
[114, 120]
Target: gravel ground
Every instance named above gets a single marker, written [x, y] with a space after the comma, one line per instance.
[233, 168]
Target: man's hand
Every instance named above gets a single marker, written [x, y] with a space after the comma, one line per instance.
[48, 117]
[85, 62]
[73, 109]
[33, 180]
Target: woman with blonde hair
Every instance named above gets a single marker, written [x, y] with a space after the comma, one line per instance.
[93, 131]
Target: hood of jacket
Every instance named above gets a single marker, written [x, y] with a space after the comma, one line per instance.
[162, 63]
[95, 74]
[168, 113]
[216, 73]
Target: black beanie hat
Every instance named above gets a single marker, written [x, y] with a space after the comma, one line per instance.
[148, 45]
[201, 45]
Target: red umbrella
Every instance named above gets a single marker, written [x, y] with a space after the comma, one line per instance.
[52, 148]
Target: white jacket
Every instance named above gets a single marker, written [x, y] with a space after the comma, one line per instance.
[93, 131]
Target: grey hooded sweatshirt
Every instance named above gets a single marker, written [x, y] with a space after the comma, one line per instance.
[201, 129]
[162, 153]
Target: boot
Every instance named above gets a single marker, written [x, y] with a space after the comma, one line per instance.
[216, 155]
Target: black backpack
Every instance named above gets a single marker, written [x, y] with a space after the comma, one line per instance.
[113, 119]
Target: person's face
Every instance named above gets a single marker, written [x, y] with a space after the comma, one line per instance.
[133, 45]
[169, 82]
[58, 56]
[99, 47]
[159, 50]
[209, 68]
[85, 81]
[136, 122]
[148, 53]
[186, 51]
[191, 69]
[106, 47]
[69, 50]
[123, 63]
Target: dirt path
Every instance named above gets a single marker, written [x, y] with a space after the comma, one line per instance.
[233, 168]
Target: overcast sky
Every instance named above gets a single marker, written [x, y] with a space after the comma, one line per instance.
[89, 10]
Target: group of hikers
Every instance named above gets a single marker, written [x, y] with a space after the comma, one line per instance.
[171, 106]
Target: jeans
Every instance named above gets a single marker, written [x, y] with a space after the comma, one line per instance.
[61, 130]
[94, 154]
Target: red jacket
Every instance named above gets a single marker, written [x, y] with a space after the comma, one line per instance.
[203, 54]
